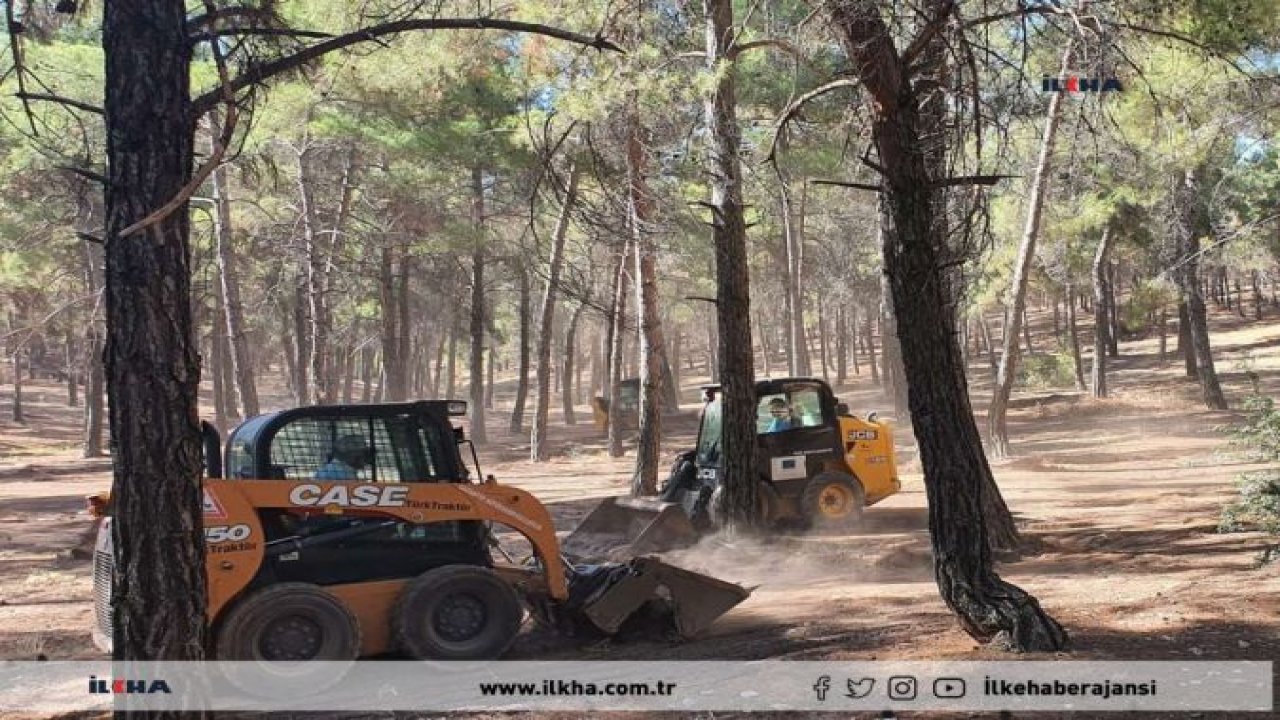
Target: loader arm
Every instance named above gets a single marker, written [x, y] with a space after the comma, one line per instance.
[235, 539]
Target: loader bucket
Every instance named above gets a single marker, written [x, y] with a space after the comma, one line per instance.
[621, 528]
[608, 595]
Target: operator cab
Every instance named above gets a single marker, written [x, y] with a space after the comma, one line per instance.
[413, 442]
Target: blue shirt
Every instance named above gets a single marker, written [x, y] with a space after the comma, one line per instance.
[778, 425]
[335, 469]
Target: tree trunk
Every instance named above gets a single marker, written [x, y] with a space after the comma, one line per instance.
[793, 236]
[229, 281]
[1194, 223]
[652, 349]
[617, 341]
[320, 322]
[93, 391]
[1257, 295]
[568, 396]
[764, 343]
[152, 368]
[367, 357]
[217, 345]
[15, 359]
[349, 361]
[1101, 328]
[95, 380]
[842, 345]
[1239, 298]
[542, 405]
[451, 370]
[476, 365]
[516, 426]
[956, 473]
[740, 504]
[1073, 336]
[869, 327]
[491, 363]
[894, 373]
[395, 332]
[1112, 316]
[301, 352]
[997, 411]
[1184, 340]
[1164, 334]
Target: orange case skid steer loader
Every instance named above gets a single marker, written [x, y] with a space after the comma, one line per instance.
[389, 550]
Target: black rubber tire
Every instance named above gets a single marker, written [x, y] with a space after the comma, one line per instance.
[833, 501]
[316, 626]
[474, 596]
[683, 477]
[768, 499]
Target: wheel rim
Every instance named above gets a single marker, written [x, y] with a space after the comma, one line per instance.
[292, 637]
[460, 617]
[835, 501]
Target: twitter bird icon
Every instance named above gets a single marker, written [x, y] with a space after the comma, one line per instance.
[860, 688]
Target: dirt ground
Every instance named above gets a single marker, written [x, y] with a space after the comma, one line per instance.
[1118, 500]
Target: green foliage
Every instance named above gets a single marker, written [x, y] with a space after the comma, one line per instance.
[1050, 370]
[1258, 507]
[1146, 300]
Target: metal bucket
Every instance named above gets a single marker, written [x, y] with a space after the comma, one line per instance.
[608, 595]
[621, 528]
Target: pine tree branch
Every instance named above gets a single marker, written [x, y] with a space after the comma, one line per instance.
[77, 104]
[258, 73]
[791, 110]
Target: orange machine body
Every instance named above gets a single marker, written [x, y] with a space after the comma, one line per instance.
[236, 546]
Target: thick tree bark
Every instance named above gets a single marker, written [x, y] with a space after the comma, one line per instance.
[229, 281]
[956, 473]
[1101, 328]
[516, 425]
[1194, 223]
[740, 503]
[617, 342]
[997, 411]
[152, 369]
[652, 345]
[542, 405]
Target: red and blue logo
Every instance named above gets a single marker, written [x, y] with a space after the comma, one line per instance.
[123, 686]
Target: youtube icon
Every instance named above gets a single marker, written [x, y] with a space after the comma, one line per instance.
[948, 688]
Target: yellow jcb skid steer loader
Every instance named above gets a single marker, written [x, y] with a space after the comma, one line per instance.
[348, 531]
[817, 465]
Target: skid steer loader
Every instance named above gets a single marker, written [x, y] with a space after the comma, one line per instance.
[349, 531]
[817, 466]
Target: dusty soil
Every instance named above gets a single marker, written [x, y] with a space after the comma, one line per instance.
[1118, 500]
